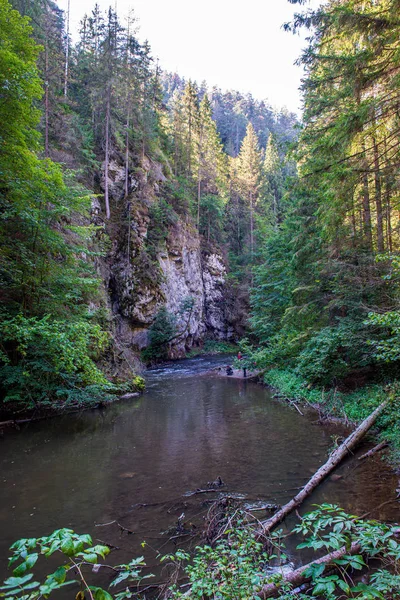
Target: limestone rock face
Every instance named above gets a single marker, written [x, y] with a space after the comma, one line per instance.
[214, 282]
[141, 277]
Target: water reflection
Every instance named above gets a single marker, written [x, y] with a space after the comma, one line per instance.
[187, 429]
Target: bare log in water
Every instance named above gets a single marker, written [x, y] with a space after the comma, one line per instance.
[335, 458]
[374, 450]
[298, 577]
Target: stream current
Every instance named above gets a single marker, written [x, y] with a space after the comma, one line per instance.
[92, 470]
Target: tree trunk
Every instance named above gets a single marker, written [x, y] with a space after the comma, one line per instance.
[335, 458]
[378, 199]
[46, 86]
[388, 207]
[107, 156]
[127, 151]
[374, 450]
[353, 220]
[251, 225]
[298, 577]
[366, 204]
[67, 54]
[198, 199]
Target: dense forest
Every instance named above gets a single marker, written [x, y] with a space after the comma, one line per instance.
[325, 300]
[146, 217]
[76, 115]
[306, 217]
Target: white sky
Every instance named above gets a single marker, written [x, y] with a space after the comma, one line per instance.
[233, 44]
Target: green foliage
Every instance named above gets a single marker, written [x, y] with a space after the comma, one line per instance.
[161, 332]
[162, 219]
[329, 528]
[138, 383]
[320, 301]
[20, 85]
[236, 567]
[44, 362]
[334, 352]
[386, 350]
[77, 554]
[49, 338]
[290, 385]
[214, 347]
[354, 406]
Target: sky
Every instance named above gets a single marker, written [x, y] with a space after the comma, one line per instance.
[234, 44]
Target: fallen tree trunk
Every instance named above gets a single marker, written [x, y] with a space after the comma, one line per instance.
[374, 450]
[335, 458]
[297, 578]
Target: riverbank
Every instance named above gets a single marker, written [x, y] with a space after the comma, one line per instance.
[213, 348]
[17, 413]
[349, 407]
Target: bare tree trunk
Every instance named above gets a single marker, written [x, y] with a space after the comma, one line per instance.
[107, 156]
[374, 450]
[129, 233]
[353, 220]
[335, 458]
[367, 213]
[389, 221]
[67, 54]
[127, 151]
[388, 188]
[251, 225]
[378, 199]
[46, 86]
[198, 199]
[189, 145]
[298, 577]
[175, 151]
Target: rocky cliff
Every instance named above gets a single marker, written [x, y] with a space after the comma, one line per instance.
[156, 258]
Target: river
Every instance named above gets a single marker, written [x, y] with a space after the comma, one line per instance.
[92, 470]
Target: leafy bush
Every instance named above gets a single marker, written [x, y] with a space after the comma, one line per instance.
[387, 346]
[214, 347]
[44, 360]
[334, 352]
[162, 217]
[77, 552]
[236, 568]
[161, 331]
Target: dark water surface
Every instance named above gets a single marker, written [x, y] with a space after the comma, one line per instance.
[84, 470]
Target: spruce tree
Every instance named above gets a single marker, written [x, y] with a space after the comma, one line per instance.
[249, 175]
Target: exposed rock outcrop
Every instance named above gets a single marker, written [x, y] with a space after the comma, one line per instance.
[142, 274]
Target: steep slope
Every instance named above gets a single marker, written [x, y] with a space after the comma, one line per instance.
[156, 262]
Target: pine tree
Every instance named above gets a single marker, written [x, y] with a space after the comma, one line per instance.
[190, 107]
[249, 174]
[45, 284]
[209, 163]
[273, 174]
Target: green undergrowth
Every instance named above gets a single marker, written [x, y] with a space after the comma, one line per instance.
[236, 567]
[353, 406]
[213, 347]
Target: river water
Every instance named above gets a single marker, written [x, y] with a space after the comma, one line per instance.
[93, 470]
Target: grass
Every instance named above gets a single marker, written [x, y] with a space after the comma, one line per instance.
[354, 406]
[213, 347]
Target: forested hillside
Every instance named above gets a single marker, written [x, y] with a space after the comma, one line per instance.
[148, 206]
[325, 300]
[134, 207]
[145, 218]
